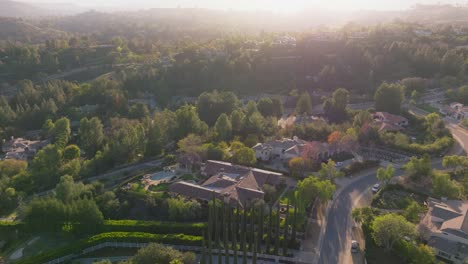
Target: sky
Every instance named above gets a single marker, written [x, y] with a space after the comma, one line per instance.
[282, 6]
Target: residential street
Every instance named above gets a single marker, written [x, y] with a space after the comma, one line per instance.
[460, 134]
[336, 246]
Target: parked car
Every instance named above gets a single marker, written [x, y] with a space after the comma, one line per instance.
[354, 246]
[376, 188]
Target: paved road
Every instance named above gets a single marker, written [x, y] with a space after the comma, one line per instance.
[338, 234]
[336, 240]
[460, 134]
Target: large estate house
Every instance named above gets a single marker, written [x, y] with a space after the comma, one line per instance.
[286, 149]
[21, 149]
[231, 183]
[445, 227]
[390, 122]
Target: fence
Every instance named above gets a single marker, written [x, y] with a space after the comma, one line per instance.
[276, 259]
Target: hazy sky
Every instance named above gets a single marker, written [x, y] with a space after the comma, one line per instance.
[270, 5]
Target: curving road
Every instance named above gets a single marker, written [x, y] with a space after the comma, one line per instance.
[338, 233]
[336, 237]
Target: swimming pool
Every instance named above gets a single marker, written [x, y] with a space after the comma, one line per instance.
[162, 175]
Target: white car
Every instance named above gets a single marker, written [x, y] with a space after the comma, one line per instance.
[339, 164]
[354, 246]
[376, 188]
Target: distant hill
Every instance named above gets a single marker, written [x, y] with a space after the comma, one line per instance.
[16, 29]
[10, 8]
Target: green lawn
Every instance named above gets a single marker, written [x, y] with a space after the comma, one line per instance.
[188, 177]
[162, 187]
[428, 108]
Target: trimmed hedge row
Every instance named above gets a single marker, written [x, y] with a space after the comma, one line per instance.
[194, 229]
[359, 166]
[132, 237]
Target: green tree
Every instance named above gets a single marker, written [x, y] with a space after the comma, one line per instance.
[329, 171]
[362, 118]
[418, 168]
[385, 175]
[237, 121]
[180, 210]
[62, 132]
[71, 152]
[211, 104]
[412, 212]
[451, 63]
[45, 165]
[459, 164]
[244, 156]
[389, 97]
[91, 135]
[443, 186]
[223, 127]
[312, 187]
[278, 107]
[390, 228]
[304, 104]
[188, 122]
[157, 253]
[67, 190]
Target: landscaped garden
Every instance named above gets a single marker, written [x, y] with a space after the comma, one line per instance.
[396, 197]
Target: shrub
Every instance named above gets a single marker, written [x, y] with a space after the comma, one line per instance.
[131, 237]
[359, 166]
[155, 227]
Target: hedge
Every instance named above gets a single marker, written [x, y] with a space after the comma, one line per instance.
[131, 237]
[9, 226]
[359, 166]
[194, 229]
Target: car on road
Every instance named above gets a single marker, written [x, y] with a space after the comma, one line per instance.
[339, 164]
[376, 188]
[354, 246]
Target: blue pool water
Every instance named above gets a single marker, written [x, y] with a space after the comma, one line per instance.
[162, 175]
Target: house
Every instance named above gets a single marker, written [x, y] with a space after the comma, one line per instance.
[390, 122]
[456, 111]
[21, 149]
[445, 227]
[286, 149]
[231, 183]
[291, 120]
[276, 148]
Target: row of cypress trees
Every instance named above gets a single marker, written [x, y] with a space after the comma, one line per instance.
[255, 228]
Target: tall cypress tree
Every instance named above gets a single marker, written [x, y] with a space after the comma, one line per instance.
[220, 255]
[203, 252]
[216, 225]
[294, 224]
[234, 245]
[286, 231]
[260, 229]
[277, 230]
[238, 219]
[254, 255]
[210, 246]
[252, 228]
[244, 249]
[244, 226]
[269, 227]
[229, 222]
[226, 248]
